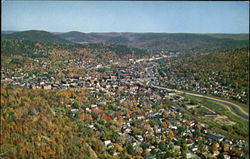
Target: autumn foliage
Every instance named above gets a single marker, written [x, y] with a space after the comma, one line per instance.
[171, 134]
[33, 126]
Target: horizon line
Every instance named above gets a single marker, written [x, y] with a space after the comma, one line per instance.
[122, 32]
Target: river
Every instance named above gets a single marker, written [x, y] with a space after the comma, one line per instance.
[234, 109]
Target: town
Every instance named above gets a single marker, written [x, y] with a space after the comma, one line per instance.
[124, 80]
[135, 107]
[82, 73]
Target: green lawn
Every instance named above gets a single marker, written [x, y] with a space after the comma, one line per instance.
[215, 107]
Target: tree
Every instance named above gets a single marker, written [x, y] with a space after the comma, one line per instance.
[120, 120]
[199, 138]
[198, 126]
[184, 148]
[172, 114]
[171, 134]
[61, 100]
[190, 141]
[131, 150]
[105, 117]
[162, 146]
[118, 147]
[75, 105]
[225, 147]
[81, 116]
[165, 124]
[215, 146]
[187, 123]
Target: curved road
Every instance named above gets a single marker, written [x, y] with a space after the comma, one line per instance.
[236, 109]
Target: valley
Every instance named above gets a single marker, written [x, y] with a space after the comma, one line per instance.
[120, 101]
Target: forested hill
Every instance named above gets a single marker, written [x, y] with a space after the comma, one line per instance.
[33, 128]
[188, 44]
[79, 37]
[231, 36]
[185, 43]
[41, 49]
[230, 68]
[35, 35]
[222, 74]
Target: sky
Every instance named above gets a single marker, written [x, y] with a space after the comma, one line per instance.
[127, 16]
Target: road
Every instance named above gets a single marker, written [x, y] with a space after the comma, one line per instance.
[236, 109]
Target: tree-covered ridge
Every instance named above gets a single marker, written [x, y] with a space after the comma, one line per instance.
[231, 64]
[36, 49]
[187, 44]
[194, 44]
[231, 36]
[20, 47]
[228, 69]
[35, 35]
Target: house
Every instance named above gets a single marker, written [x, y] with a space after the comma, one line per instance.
[122, 87]
[33, 87]
[68, 106]
[47, 87]
[172, 94]
[148, 150]
[74, 111]
[140, 117]
[191, 155]
[128, 130]
[91, 126]
[107, 142]
[134, 88]
[88, 110]
[173, 127]
[194, 149]
[65, 86]
[214, 137]
[139, 137]
[113, 77]
[226, 156]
